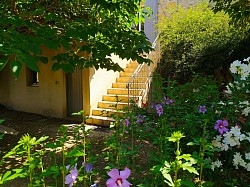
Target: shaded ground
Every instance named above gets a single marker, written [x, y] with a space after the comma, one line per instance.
[36, 126]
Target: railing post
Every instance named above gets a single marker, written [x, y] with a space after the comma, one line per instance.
[142, 71]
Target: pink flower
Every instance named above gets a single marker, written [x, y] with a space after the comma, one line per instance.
[118, 178]
[221, 126]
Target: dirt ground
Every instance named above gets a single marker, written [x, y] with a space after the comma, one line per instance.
[36, 126]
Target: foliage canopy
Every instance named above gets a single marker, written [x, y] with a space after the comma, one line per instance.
[238, 10]
[198, 40]
[98, 28]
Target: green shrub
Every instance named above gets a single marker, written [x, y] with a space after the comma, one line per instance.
[198, 40]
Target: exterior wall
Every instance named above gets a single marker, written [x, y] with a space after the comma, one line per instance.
[102, 79]
[49, 98]
[149, 26]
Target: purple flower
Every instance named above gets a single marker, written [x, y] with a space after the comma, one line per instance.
[168, 101]
[140, 119]
[71, 178]
[88, 167]
[118, 178]
[202, 109]
[127, 122]
[221, 126]
[159, 109]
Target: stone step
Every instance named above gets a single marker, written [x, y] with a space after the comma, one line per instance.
[111, 105]
[126, 74]
[129, 70]
[126, 79]
[120, 91]
[132, 65]
[99, 120]
[115, 98]
[106, 112]
[138, 85]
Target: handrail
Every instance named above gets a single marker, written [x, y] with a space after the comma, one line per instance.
[139, 83]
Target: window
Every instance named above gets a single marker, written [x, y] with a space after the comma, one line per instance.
[32, 77]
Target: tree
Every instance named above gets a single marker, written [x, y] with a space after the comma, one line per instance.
[238, 10]
[98, 28]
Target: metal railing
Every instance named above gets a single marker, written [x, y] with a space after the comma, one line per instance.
[139, 84]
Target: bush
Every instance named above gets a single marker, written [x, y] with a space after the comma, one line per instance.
[198, 40]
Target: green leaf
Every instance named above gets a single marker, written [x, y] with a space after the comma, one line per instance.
[67, 68]
[7, 173]
[189, 167]
[30, 61]
[44, 60]
[191, 143]
[52, 44]
[3, 62]
[169, 179]
[75, 153]
[188, 183]
[186, 157]
[80, 113]
[56, 66]
[1, 121]
[16, 67]
[43, 138]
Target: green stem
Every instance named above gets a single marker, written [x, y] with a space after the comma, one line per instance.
[84, 150]
[63, 169]
[176, 169]
[41, 160]
[30, 170]
[202, 164]
[120, 147]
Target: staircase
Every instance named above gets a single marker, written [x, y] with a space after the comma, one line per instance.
[132, 84]
[117, 97]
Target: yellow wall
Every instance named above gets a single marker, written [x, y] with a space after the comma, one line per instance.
[49, 98]
[101, 80]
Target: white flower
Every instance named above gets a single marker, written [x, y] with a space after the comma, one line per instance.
[224, 147]
[242, 137]
[235, 131]
[244, 102]
[228, 91]
[247, 166]
[217, 141]
[216, 164]
[230, 140]
[244, 71]
[234, 67]
[248, 136]
[246, 59]
[222, 103]
[247, 156]
[246, 111]
[217, 112]
[238, 161]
